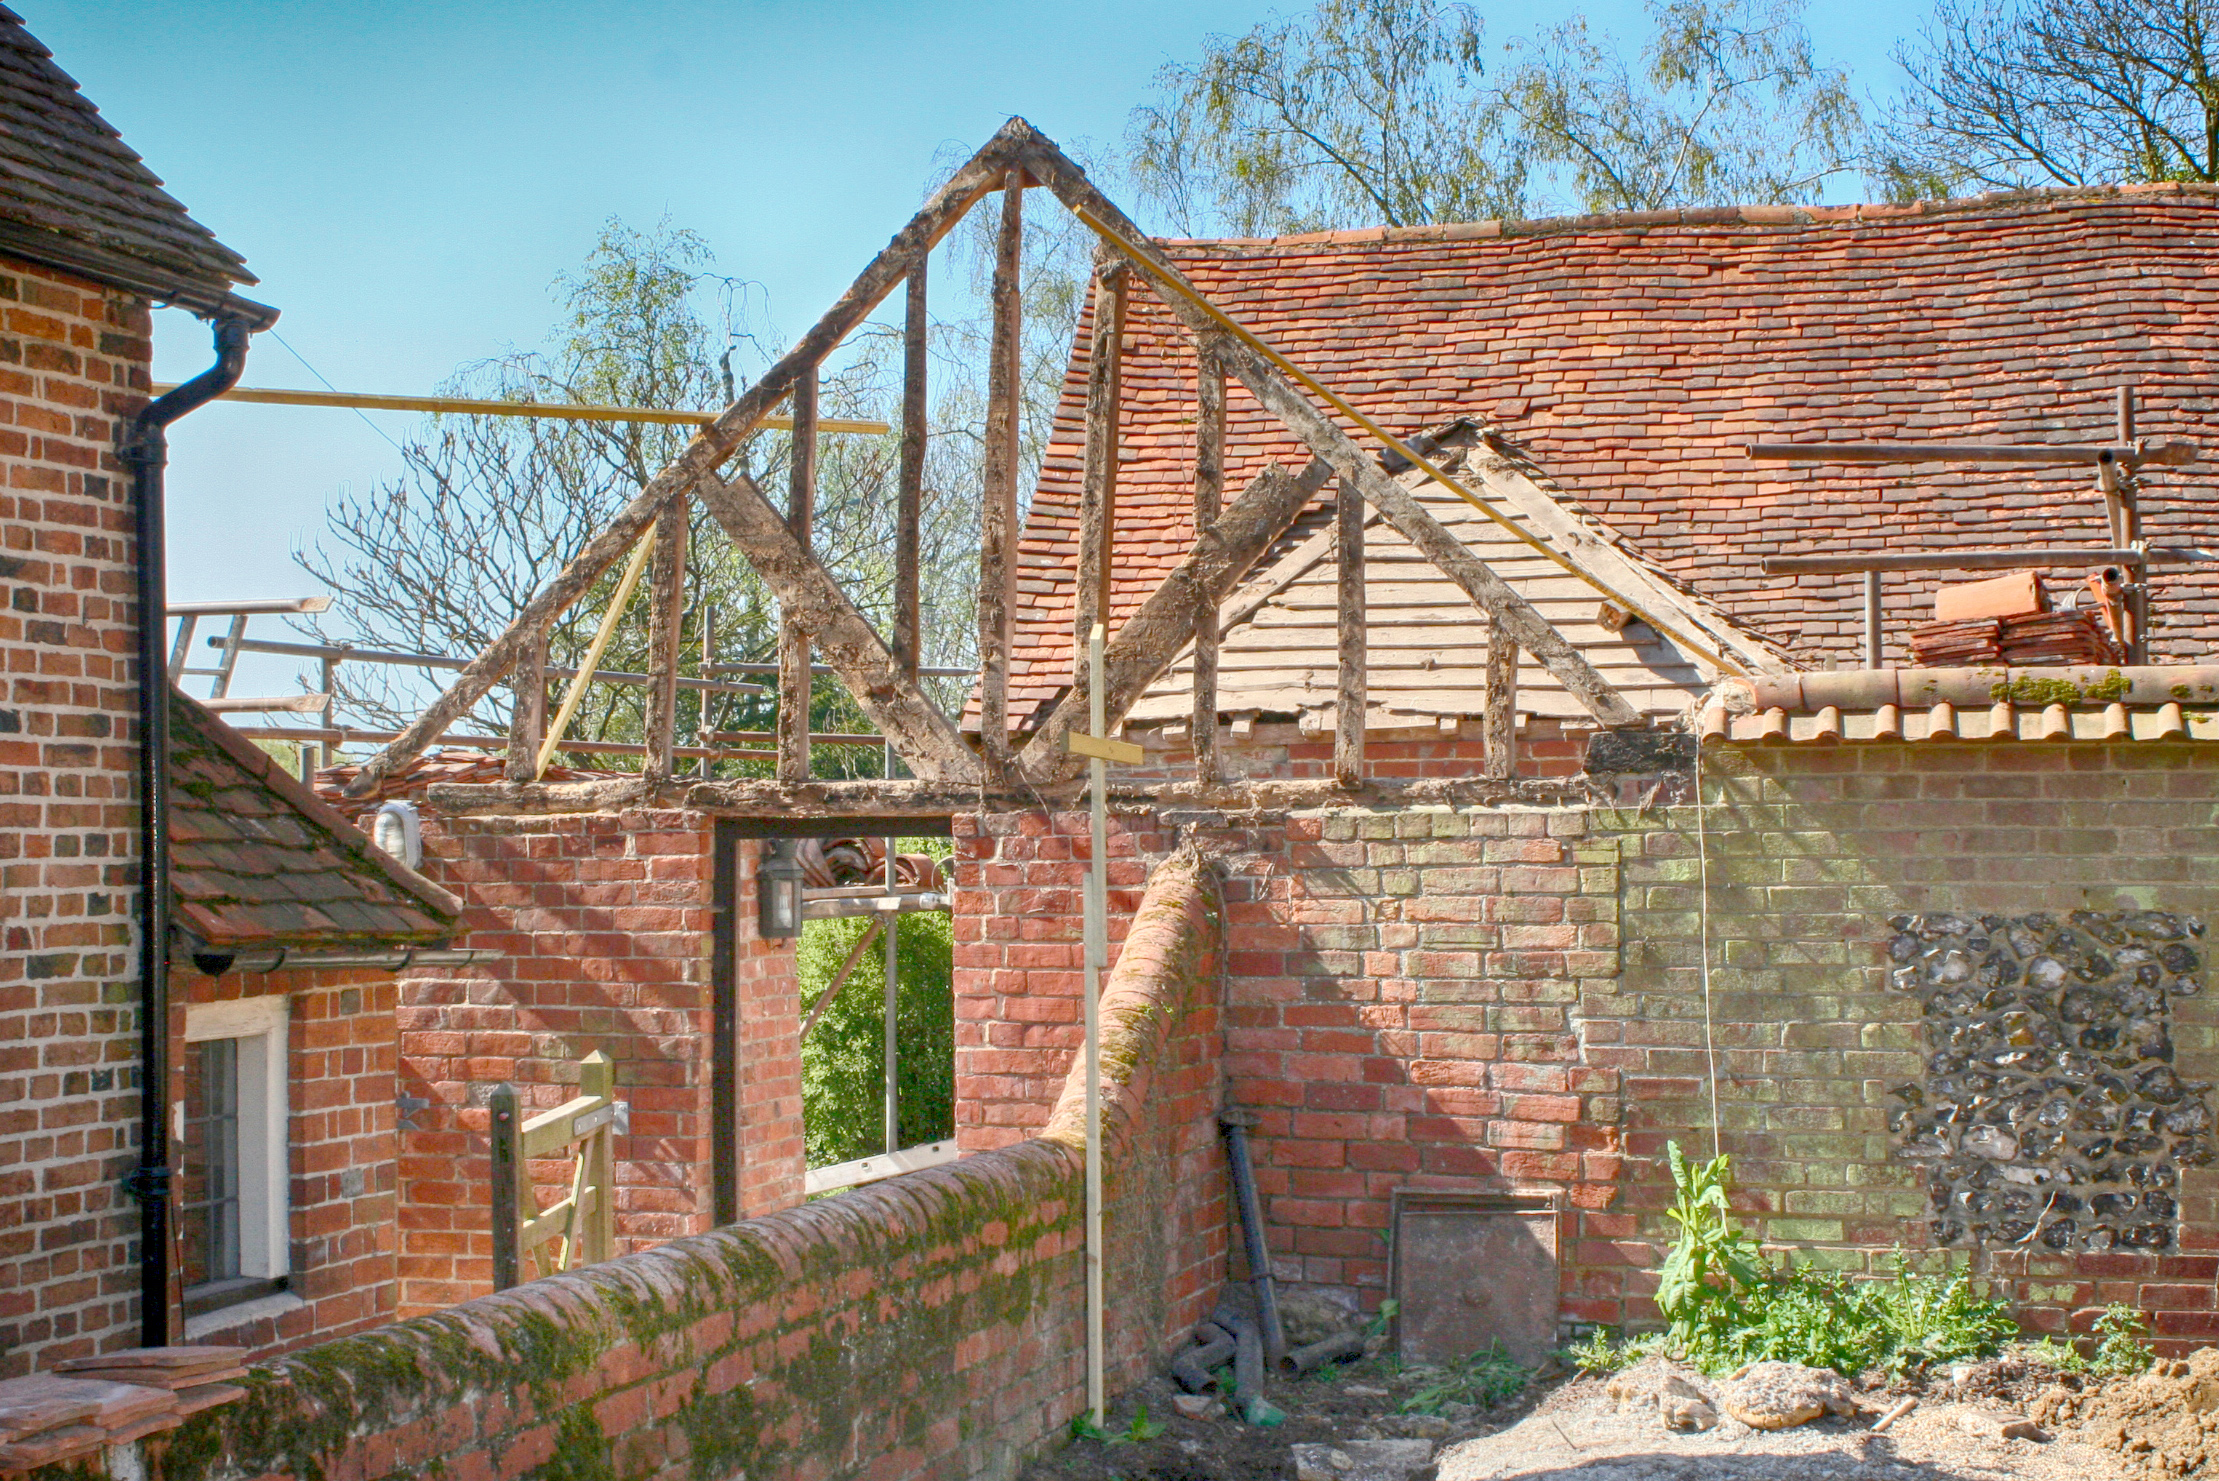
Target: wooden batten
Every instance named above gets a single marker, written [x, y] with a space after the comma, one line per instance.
[1209, 494]
[795, 686]
[910, 480]
[998, 525]
[665, 617]
[528, 712]
[1348, 554]
[1098, 474]
[708, 451]
[1500, 725]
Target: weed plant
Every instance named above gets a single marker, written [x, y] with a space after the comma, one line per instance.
[1725, 1305]
[1483, 1380]
[2120, 1346]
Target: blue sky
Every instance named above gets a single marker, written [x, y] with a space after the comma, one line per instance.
[408, 178]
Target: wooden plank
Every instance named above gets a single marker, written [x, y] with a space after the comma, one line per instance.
[998, 525]
[1154, 635]
[1501, 701]
[1098, 468]
[709, 449]
[1979, 560]
[2166, 454]
[795, 688]
[885, 1165]
[1349, 693]
[840, 978]
[1328, 442]
[909, 499]
[904, 797]
[922, 735]
[1209, 495]
[665, 617]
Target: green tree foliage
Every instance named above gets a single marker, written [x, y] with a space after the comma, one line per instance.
[1363, 112]
[843, 1064]
[2014, 93]
[1729, 105]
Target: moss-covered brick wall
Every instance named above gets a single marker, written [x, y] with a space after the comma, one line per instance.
[1811, 851]
[928, 1326]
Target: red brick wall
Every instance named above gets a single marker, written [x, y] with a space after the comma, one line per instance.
[344, 1182]
[928, 1326]
[1279, 751]
[73, 364]
[602, 926]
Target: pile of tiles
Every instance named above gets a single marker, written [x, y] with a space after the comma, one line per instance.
[2070, 636]
[88, 1404]
[2050, 1113]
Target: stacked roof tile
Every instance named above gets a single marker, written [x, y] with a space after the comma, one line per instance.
[256, 859]
[1633, 357]
[71, 186]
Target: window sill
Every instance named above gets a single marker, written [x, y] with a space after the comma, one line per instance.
[224, 1318]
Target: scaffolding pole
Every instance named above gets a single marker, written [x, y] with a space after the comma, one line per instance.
[1097, 960]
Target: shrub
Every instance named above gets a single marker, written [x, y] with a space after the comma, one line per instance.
[843, 1065]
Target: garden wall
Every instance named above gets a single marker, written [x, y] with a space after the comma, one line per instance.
[927, 1326]
[1509, 998]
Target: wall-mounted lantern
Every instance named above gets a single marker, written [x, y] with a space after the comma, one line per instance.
[396, 828]
[778, 892]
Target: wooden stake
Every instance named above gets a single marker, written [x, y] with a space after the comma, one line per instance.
[1209, 494]
[572, 696]
[1348, 554]
[1501, 723]
[795, 688]
[998, 532]
[708, 451]
[665, 617]
[1098, 476]
[910, 488]
[925, 738]
[528, 715]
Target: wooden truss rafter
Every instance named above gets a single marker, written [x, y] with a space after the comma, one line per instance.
[881, 672]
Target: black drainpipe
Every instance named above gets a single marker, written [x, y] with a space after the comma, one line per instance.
[146, 454]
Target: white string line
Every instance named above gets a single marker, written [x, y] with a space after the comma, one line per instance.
[1702, 856]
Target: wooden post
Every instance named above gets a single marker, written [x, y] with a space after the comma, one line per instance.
[998, 527]
[909, 497]
[794, 682]
[1209, 495]
[508, 1185]
[597, 1158]
[329, 749]
[1502, 701]
[528, 711]
[1348, 554]
[1098, 477]
[665, 616]
[1873, 647]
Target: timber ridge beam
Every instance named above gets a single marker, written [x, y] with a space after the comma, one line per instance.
[882, 673]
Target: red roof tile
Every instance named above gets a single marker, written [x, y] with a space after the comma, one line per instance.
[257, 859]
[1632, 357]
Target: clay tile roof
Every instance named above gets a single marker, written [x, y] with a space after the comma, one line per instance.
[256, 859]
[2174, 702]
[1632, 357]
[73, 194]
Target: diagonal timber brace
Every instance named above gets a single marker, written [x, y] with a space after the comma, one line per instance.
[709, 449]
[1052, 168]
[1152, 637]
[810, 597]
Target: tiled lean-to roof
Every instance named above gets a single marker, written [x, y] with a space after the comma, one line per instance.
[1632, 357]
[2170, 703]
[74, 195]
[256, 859]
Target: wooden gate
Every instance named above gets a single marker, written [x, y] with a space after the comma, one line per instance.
[584, 1221]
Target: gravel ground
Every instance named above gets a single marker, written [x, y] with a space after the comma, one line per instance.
[1580, 1433]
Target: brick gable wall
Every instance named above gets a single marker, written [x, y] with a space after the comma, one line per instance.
[73, 365]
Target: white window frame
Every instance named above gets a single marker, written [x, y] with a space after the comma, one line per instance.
[265, 1161]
